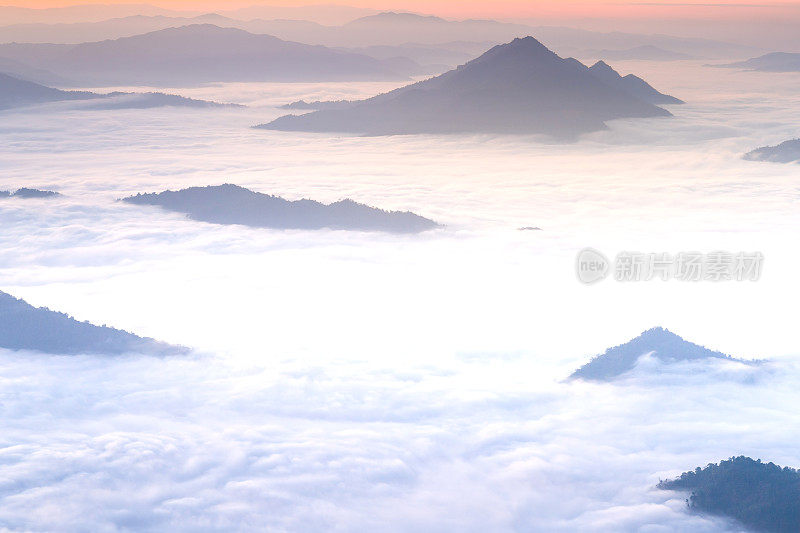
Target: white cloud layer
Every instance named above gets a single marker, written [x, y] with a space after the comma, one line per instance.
[154, 444]
[355, 382]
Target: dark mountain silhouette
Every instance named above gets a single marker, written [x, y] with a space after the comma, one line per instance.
[785, 152]
[24, 327]
[762, 496]
[197, 54]
[774, 62]
[661, 343]
[631, 84]
[28, 193]
[520, 87]
[645, 52]
[231, 204]
[20, 93]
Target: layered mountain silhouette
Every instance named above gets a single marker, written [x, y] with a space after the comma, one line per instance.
[386, 29]
[74, 14]
[394, 28]
[785, 152]
[231, 204]
[197, 54]
[15, 92]
[24, 327]
[658, 342]
[519, 87]
[774, 62]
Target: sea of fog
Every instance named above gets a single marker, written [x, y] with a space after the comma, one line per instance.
[345, 381]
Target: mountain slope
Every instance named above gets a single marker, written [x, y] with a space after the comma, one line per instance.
[231, 204]
[24, 327]
[519, 87]
[27, 193]
[20, 93]
[774, 62]
[631, 84]
[785, 152]
[16, 93]
[196, 54]
[25, 72]
[659, 342]
[761, 496]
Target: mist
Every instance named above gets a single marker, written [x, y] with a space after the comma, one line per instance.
[355, 381]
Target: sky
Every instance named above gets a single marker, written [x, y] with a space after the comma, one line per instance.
[501, 9]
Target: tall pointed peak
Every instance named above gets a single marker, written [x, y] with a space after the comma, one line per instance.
[659, 333]
[519, 49]
[528, 43]
[660, 342]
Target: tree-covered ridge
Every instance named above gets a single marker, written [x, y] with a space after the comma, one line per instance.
[785, 152]
[762, 496]
[24, 327]
[28, 193]
[231, 204]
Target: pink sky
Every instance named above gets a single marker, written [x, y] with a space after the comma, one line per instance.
[730, 9]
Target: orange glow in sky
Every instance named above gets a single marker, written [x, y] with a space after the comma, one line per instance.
[474, 8]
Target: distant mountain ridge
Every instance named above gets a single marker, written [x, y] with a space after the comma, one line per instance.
[198, 54]
[785, 152]
[88, 13]
[231, 204]
[26, 193]
[387, 29]
[773, 62]
[659, 342]
[519, 87]
[15, 93]
[24, 327]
